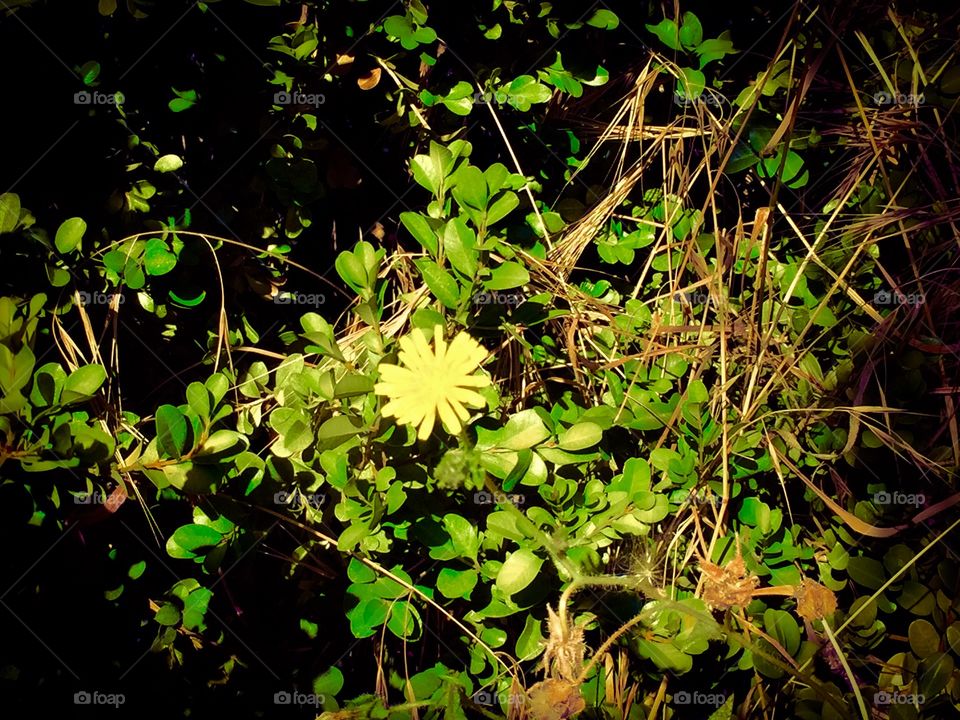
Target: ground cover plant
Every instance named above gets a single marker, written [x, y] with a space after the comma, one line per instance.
[366, 359]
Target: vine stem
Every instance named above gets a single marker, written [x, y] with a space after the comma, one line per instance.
[578, 583]
[846, 667]
[601, 651]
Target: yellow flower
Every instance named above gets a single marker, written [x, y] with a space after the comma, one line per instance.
[431, 382]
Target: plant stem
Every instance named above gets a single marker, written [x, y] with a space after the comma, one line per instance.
[846, 667]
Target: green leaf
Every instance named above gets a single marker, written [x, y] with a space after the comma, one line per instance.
[471, 188]
[456, 583]
[180, 300]
[507, 276]
[526, 91]
[422, 231]
[795, 174]
[198, 398]
[221, 445]
[184, 100]
[691, 31]
[168, 163]
[501, 207]
[427, 172]
[15, 370]
[195, 607]
[440, 282]
[668, 32]
[194, 537]
[82, 383]
[504, 524]
[352, 271]
[753, 512]
[782, 626]
[172, 431]
[604, 19]
[404, 620]
[665, 655]
[337, 429]
[697, 392]
[9, 212]
[715, 49]
[89, 72]
[924, 638]
[353, 385]
[580, 436]
[459, 245]
[398, 26]
[523, 430]
[463, 534]
[168, 615]
[218, 385]
[530, 642]
[459, 100]
[519, 570]
[867, 572]
[328, 683]
[290, 423]
[48, 383]
[935, 673]
[157, 259]
[137, 569]
[70, 235]
[692, 83]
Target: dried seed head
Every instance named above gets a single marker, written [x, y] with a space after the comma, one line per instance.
[565, 650]
[730, 585]
[814, 601]
[554, 700]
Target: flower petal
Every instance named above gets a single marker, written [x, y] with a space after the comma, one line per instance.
[395, 374]
[440, 344]
[412, 353]
[427, 423]
[449, 417]
[465, 354]
[477, 381]
[459, 409]
[467, 397]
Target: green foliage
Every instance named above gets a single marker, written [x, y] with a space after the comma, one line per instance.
[689, 454]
